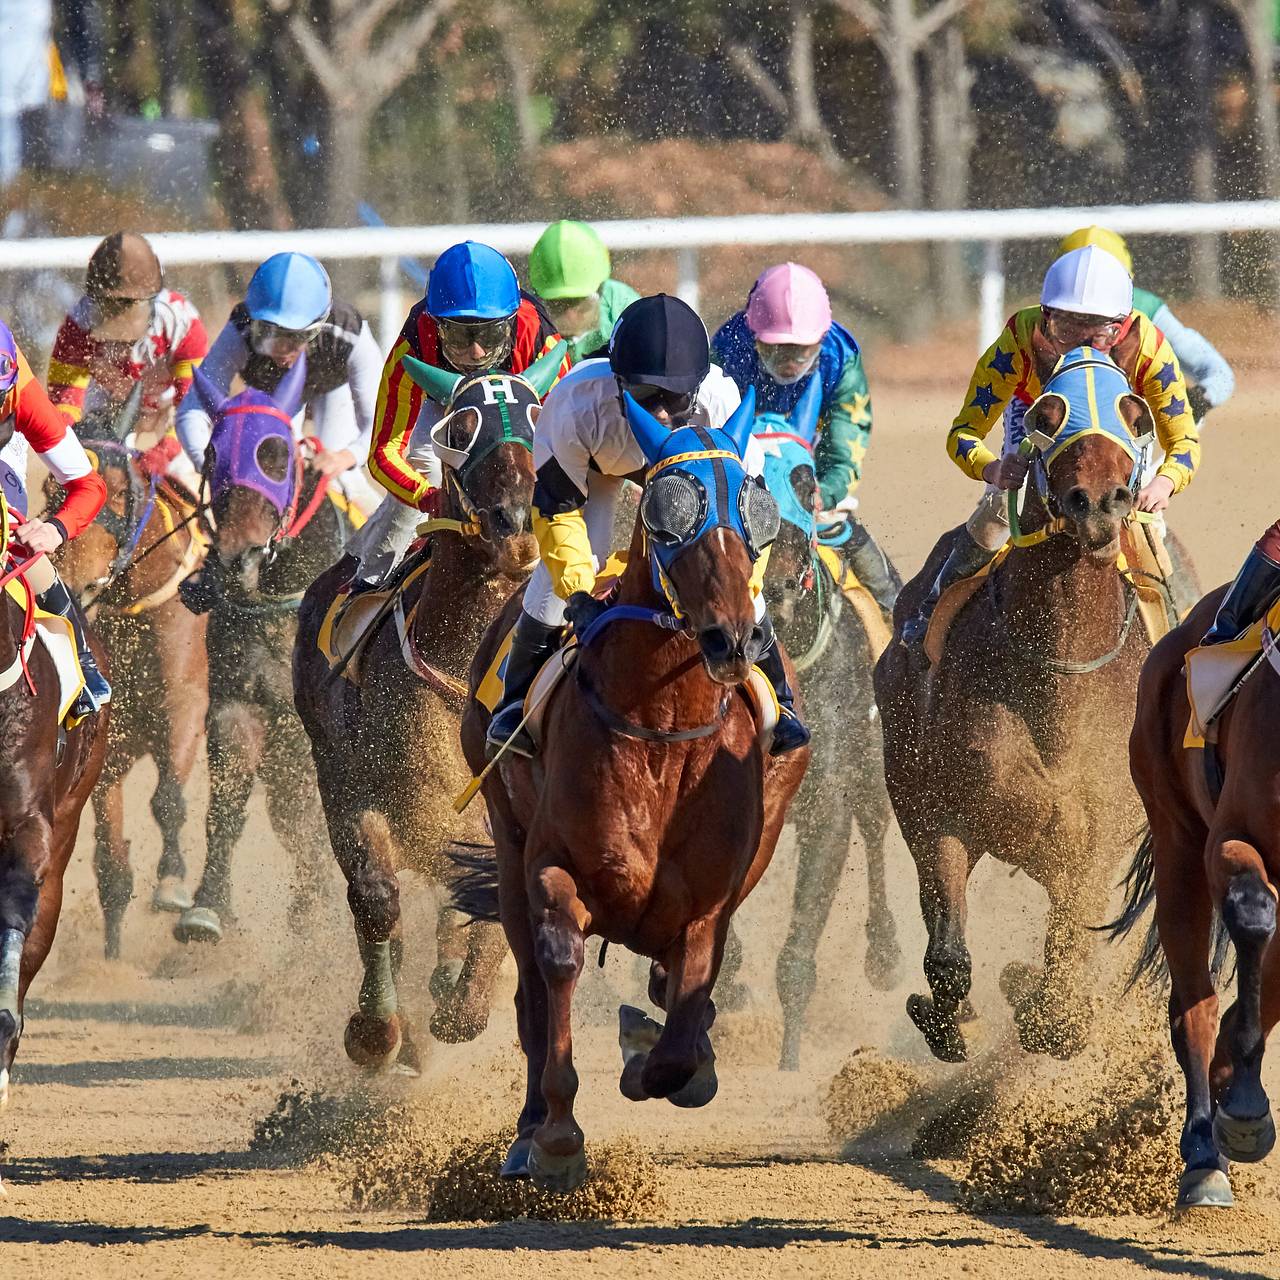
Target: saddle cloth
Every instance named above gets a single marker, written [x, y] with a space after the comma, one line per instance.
[1216, 672]
[347, 625]
[860, 600]
[58, 637]
[1151, 604]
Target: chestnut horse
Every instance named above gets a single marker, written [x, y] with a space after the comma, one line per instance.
[46, 776]
[386, 750]
[845, 780]
[653, 808]
[275, 531]
[1211, 861]
[1013, 745]
[125, 568]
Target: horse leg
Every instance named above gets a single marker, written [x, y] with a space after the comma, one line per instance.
[111, 862]
[1242, 1124]
[1184, 920]
[733, 992]
[169, 809]
[463, 1013]
[451, 952]
[557, 1161]
[293, 806]
[871, 807]
[822, 844]
[943, 870]
[235, 749]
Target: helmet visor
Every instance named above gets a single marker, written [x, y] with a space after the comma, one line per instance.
[276, 343]
[1068, 329]
[120, 319]
[575, 317]
[676, 404]
[788, 361]
[474, 345]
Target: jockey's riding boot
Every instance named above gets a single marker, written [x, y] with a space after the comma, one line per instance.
[1256, 585]
[96, 692]
[965, 559]
[790, 732]
[533, 643]
[873, 568]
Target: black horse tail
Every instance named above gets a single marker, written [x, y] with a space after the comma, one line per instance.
[474, 892]
[1139, 893]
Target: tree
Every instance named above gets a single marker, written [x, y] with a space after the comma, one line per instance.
[361, 51]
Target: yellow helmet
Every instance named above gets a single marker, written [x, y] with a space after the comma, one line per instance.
[1112, 242]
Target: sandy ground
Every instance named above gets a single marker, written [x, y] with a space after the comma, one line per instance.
[138, 1086]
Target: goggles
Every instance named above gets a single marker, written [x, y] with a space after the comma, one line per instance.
[8, 372]
[677, 404]
[1078, 330]
[474, 345]
[575, 316]
[271, 340]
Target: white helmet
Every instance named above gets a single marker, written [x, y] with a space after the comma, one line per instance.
[1090, 282]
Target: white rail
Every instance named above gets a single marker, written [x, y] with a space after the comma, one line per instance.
[684, 236]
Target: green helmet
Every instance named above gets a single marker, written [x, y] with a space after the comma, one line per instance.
[569, 261]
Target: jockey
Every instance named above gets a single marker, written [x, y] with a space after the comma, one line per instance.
[126, 328]
[583, 450]
[784, 338]
[25, 409]
[289, 308]
[569, 270]
[1210, 380]
[475, 317]
[1087, 300]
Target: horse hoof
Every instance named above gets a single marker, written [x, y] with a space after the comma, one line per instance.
[637, 1032]
[516, 1165]
[1018, 981]
[883, 966]
[700, 1090]
[198, 924]
[557, 1174]
[444, 979]
[1204, 1189]
[456, 1025]
[171, 895]
[941, 1033]
[1243, 1140]
[372, 1043]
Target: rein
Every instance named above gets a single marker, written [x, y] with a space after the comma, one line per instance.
[828, 615]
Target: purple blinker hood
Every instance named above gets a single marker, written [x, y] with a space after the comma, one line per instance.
[241, 424]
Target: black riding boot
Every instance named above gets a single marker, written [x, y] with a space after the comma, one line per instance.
[1256, 586]
[790, 732]
[873, 567]
[533, 643]
[966, 558]
[96, 692]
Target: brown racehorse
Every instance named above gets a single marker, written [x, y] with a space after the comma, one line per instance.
[1013, 745]
[386, 750]
[46, 776]
[126, 568]
[1212, 850]
[652, 809]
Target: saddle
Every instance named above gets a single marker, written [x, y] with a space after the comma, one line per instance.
[1216, 672]
[860, 600]
[58, 637]
[1152, 601]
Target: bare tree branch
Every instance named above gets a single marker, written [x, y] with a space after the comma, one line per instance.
[335, 82]
[398, 53]
[870, 17]
[754, 72]
[357, 31]
[928, 24]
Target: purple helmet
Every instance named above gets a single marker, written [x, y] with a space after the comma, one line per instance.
[8, 360]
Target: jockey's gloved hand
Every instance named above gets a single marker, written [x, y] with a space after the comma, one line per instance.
[432, 504]
[582, 609]
[1008, 472]
[1199, 402]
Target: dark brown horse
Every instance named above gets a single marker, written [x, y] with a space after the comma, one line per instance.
[125, 568]
[1013, 745]
[1211, 861]
[386, 750]
[652, 809]
[46, 777]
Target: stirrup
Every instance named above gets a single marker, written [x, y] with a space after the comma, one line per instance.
[506, 731]
[789, 734]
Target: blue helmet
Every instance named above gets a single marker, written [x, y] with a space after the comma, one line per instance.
[472, 281]
[8, 360]
[290, 291]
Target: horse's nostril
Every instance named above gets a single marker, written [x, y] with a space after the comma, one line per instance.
[1077, 501]
[716, 643]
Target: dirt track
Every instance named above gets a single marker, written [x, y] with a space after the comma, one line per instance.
[138, 1085]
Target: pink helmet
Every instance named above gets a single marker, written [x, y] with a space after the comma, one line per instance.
[788, 304]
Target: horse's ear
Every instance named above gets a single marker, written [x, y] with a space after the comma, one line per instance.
[439, 384]
[1135, 412]
[650, 434]
[127, 417]
[804, 417]
[541, 374]
[210, 396]
[288, 392]
[805, 487]
[1047, 414]
[738, 428]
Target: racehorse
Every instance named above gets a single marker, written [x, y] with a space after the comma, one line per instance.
[1211, 861]
[275, 531]
[125, 568]
[1013, 744]
[386, 749]
[47, 773]
[845, 780]
[652, 809]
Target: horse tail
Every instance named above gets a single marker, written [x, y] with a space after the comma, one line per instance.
[1139, 886]
[474, 892]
